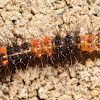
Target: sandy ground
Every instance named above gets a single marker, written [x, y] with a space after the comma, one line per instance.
[23, 20]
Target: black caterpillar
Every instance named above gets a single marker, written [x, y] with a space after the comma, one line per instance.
[52, 51]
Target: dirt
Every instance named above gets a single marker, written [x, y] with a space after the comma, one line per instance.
[24, 20]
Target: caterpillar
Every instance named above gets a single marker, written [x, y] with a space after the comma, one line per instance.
[50, 51]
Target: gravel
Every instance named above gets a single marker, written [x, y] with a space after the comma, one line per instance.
[28, 19]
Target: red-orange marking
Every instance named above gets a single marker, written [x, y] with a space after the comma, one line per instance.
[4, 50]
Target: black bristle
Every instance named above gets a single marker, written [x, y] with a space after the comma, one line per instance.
[25, 45]
[68, 39]
[57, 40]
[77, 39]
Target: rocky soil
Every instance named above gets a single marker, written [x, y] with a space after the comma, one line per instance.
[23, 20]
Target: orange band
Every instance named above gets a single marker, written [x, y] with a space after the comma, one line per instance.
[4, 50]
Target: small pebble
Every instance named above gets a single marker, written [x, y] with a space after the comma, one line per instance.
[69, 93]
[1, 93]
[94, 92]
[65, 97]
[23, 94]
[59, 21]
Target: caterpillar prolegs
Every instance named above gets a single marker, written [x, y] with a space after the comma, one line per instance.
[50, 51]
